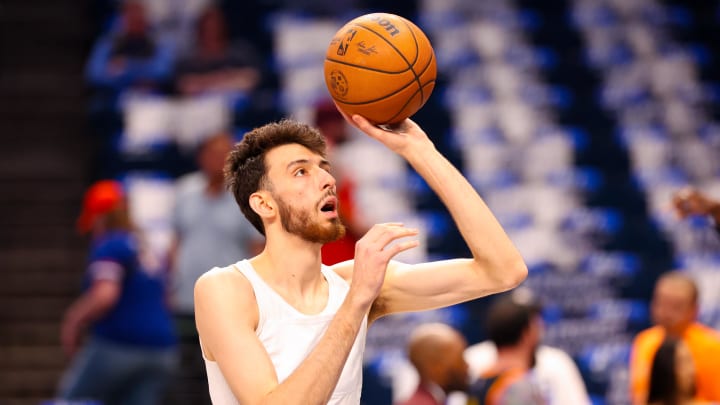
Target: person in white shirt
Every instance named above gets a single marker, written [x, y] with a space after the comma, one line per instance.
[281, 328]
[555, 371]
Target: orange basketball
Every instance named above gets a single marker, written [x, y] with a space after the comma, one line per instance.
[380, 66]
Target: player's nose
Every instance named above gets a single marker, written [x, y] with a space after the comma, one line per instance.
[327, 180]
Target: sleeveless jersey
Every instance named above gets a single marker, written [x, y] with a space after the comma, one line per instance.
[289, 336]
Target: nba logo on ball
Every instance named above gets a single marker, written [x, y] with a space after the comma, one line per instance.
[342, 49]
[338, 83]
[380, 66]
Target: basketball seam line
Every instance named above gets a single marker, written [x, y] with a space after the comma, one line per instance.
[417, 49]
[367, 68]
[410, 66]
[385, 96]
[420, 90]
[417, 56]
[410, 98]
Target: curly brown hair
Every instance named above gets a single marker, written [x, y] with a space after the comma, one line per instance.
[246, 169]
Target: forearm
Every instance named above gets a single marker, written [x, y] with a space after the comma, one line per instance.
[85, 310]
[314, 381]
[485, 237]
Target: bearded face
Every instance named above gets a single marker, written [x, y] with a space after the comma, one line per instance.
[299, 222]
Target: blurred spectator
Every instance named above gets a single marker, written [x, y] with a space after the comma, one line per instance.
[173, 21]
[217, 64]
[207, 229]
[672, 376]
[129, 56]
[436, 351]
[333, 127]
[515, 327]
[556, 372]
[131, 350]
[690, 201]
[208, 232]
[674, 308]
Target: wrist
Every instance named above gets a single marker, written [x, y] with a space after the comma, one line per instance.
[357, 304]
[419, 154]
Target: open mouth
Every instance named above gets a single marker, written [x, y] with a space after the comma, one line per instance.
[330, 205]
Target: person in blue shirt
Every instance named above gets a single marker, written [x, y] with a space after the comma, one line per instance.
[207, 231]
[129, 352]
[129, 56]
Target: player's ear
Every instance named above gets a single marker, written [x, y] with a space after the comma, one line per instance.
[263, 204]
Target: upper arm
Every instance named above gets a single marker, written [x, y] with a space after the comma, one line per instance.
[433, 285]
[106, 271]
[104, 294]
[226, 316]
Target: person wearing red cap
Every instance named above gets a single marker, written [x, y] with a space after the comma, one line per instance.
[130, 349]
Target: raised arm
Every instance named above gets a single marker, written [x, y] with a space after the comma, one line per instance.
[227, 316]
[496, 265]
[690, 201]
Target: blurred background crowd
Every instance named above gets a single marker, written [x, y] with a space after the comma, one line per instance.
[576, 120]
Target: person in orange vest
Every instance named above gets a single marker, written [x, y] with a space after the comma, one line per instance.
[674, 309]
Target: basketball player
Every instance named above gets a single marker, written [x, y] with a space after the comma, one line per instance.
[280, 328]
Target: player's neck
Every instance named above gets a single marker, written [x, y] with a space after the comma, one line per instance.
[291, 262]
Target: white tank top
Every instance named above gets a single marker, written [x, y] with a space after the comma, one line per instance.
[289, 335]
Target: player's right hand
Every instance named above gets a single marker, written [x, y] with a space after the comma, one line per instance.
[373, 252]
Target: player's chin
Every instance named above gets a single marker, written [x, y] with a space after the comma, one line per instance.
[329, 231]
[338, 227]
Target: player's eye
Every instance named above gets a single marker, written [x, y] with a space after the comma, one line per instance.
[300, 172]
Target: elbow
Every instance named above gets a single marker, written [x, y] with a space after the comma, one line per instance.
[104, 295]
[105, 303]
[516, 273]
[508, 274]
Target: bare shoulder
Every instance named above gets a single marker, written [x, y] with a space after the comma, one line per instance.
[344, 269]
[222, 278]
[225, 290]
[225, 305]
